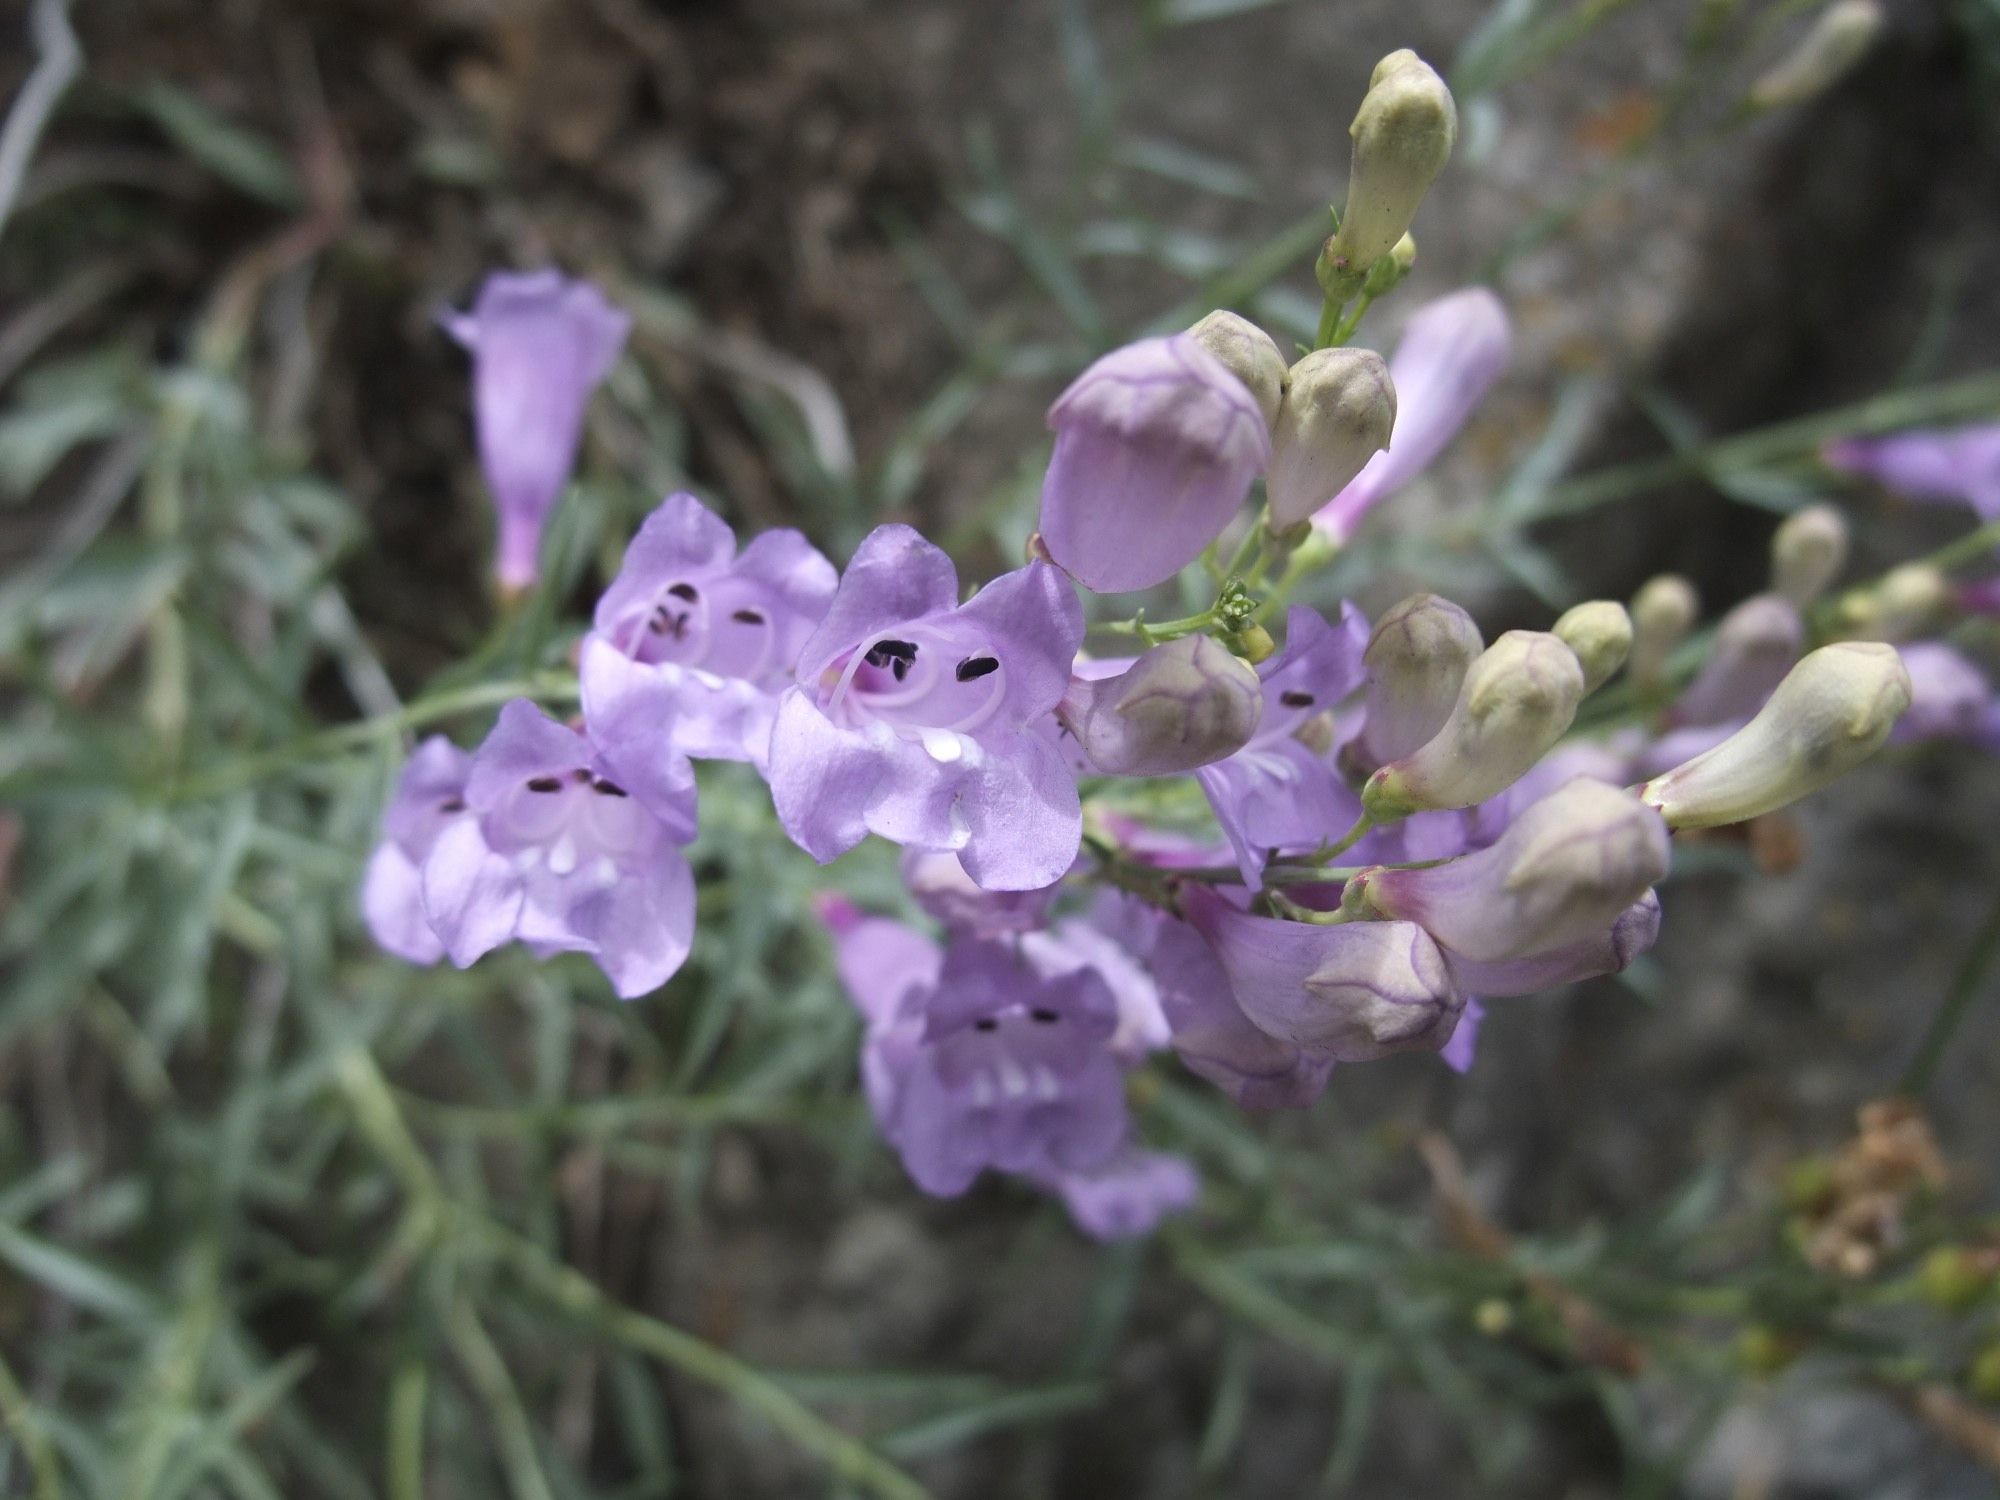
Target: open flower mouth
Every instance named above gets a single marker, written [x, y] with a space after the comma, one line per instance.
[916, 679]
[716, 625]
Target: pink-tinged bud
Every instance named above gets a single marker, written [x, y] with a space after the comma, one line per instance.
[1352, 992]
[1755, 645]
[1516, 701]
[1600, 633]
[1403, 134]
[1417, 660]
[1663, 612]
[1339, 408]
[1608, 952]
[540, 344]
[1249, 354]
[1182, 705]
[1156, 446]
[1450, 354]
[1829, 715]
[1561, 874]
[1807, 553]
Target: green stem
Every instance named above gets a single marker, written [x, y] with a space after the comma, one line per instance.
[1966, 987]
[1329, 323]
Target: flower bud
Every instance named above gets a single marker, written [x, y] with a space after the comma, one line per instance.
[1517, 700]
[1905, 604]
[1830, 713]
[1608, 952]
[1387, 273]
[1352, 992]
[1249, 354]
[1838, 38]
[1755, 645]
[1416, 662]
[1807, 553]
[1403, 135]
[1338, 412]
[1563, 873]
[1663, 612]
[1600, 633]
[1156, 446]
[1182, 705]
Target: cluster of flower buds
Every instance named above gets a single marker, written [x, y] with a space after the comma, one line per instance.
[1493, 851]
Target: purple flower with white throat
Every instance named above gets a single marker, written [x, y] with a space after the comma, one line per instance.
[695, 634]
[1281, 791]
[429, 797]
[930, 722]
[554, 853]
[1940, 464]
[1156, 446]
[990, 1064]
[540, 344]
[1451, 352]
[1350, 992]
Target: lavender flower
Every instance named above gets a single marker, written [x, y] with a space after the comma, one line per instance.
[996, 1066]
[1611, 951]
[1279, 792]
[1156, 445]
[1351, 993]
[939, 884]
[1128, 1196]
[1755, 646]
[693, 634]
[1562, 873]
[1459, 1052]
[553, 853]
[540, 345]
[1950, 698]
[1938, 464]
[931, 723]
[1451, 352]
[1179, 706]
[430, 795]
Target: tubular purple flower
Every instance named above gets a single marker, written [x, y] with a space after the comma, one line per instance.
[1608, 952]
[1128, 1196]
[1938, 464]
[1179, 706]
[540, 344]
[1755, 646]
[429, 797]
[1278, 792]
[1451, 352]
[692, 634]
[554, 853]
[1352, 992]
[1562, 872]
[1156, 446]
[1416, 661]
[931, 723]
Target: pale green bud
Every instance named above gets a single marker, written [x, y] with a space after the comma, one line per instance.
[1249, 354]
[1831, 713]
[1663, 612]
[1403, 135]
[1387, 273]
[1181, 705]
[1339, 408]
[1838, 38]
[1600, 633]
[1416, 661]
[1517, 700]
[1807, 553]
[1909, 600]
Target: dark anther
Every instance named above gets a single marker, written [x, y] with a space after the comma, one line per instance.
[1046, 1017]
[895, 655]
[975, 667]
[985, 1023]
[685, 591]
[1296, 700]
[748, 617]
[580, 776]
[605, 788]
[452, 805]
[545, 784]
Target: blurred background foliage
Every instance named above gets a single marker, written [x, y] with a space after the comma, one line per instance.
[279, 1216]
